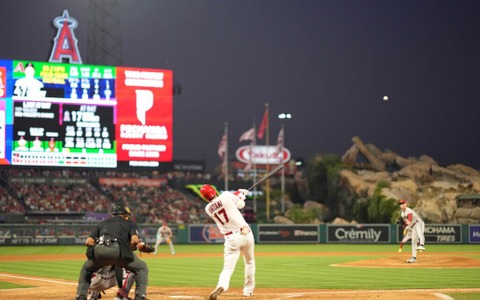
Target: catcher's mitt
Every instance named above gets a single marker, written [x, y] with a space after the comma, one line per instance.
[145, 248]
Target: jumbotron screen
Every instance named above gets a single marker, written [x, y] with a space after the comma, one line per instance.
[72, 115]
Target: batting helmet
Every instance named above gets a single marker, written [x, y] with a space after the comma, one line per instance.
[120, 209]
[208, 192]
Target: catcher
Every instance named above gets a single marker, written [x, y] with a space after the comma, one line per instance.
[106, 278]
[112, 243]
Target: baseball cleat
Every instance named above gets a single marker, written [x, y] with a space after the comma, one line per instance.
[215, 293]
[121, 295]
[421, 248]
[399, 249]
[411, 260]
[93, 295]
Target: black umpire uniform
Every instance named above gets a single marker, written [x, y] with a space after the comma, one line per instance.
[111, 243]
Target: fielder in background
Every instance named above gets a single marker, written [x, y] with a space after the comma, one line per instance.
[416, 226]
[164, 234]
[225, 211]
[112, 243]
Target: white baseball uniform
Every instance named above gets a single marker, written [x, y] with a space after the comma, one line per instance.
[225, 211]
[164, 233]
[417, 227]
[105, 278]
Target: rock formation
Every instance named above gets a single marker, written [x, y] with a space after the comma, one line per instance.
[436, 192]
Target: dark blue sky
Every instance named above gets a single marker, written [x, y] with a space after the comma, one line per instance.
[328, 63]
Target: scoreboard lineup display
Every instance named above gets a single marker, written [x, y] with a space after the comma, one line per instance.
[72, 115]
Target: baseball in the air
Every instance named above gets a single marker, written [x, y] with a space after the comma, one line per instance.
[385, 98]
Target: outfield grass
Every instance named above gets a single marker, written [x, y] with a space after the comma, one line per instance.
[295, 271]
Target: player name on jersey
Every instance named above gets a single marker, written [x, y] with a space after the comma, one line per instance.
[215, 206]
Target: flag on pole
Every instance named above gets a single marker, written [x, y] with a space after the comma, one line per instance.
[248, 135]
[222, 146]
[280, 140]
[263, 125]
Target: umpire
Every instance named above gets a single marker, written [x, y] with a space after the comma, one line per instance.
[111, 243]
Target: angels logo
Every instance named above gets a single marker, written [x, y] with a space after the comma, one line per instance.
[65, 43]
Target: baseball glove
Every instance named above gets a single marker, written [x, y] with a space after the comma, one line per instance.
[400, 221]
[145, 248]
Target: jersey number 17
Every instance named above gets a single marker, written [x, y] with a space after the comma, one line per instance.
[221, 216]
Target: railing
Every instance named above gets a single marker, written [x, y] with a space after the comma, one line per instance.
[76, 234]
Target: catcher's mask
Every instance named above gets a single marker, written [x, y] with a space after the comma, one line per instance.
[120, 209]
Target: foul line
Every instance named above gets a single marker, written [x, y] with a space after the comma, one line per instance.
[37, 279]
[436, 292]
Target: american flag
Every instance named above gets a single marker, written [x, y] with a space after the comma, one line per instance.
[248, 135]
[222, 146]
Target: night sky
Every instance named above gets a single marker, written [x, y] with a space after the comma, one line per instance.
[328, 63]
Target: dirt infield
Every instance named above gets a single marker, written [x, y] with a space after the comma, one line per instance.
[43, 288]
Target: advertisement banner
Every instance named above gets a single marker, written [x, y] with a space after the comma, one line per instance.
[133, 181]
[442, 233]
[474, 234]
[288, 234]
[208, 233]
[438, 233]
[144, 116]
[358, 234]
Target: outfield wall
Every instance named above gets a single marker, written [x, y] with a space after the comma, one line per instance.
[55, 234]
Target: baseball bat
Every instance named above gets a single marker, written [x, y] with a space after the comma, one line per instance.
[268, 175]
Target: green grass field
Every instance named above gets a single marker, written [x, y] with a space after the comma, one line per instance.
[275, 267]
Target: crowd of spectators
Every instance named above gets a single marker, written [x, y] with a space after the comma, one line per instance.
[9, 204]
[153, 204]
[150, 204]
[61, 198]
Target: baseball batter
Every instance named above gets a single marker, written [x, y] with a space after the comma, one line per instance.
[164, 234]
[416, 227]
[224, 209]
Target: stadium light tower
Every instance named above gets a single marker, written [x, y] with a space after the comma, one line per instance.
[104, 33]
[283, 116]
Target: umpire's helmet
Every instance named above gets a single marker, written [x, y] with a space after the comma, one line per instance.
[120, 209]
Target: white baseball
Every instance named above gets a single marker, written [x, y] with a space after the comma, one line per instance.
[385, 98]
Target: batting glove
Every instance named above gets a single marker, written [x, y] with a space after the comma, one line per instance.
[244, 191]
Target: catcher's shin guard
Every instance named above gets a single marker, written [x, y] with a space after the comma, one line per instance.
[128, 281]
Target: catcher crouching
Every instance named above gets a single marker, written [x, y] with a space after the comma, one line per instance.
[106, 278]
[112, 242]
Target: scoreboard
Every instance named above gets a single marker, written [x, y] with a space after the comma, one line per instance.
[71, 115]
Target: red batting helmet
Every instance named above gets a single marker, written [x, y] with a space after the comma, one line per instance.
[208, 192]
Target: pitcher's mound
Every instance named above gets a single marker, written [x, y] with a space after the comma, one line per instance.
[424, 260]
